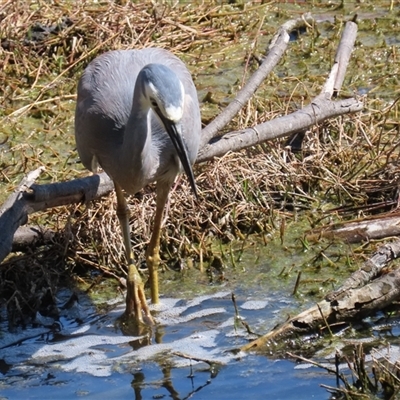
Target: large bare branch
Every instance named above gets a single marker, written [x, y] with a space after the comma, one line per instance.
[41, 197]
[371, 228]
[320, 109]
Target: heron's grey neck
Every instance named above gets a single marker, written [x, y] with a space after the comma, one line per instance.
[137, 161]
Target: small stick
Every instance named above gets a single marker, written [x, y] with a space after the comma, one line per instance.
[296, 285]
[199, 359]
[324, 319]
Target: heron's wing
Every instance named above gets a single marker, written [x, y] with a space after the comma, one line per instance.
[104, 102]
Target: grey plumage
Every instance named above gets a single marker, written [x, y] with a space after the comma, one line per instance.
[138, 117]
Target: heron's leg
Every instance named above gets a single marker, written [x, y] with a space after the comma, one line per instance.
[135, 297]
[153, 250]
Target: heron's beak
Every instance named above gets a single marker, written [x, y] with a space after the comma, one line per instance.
[177, 139]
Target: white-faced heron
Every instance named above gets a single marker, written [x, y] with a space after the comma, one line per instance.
[138, 117]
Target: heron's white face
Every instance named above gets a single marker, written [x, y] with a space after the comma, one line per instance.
[171, 111]
[174, 113]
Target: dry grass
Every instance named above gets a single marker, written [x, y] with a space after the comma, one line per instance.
[349, 164]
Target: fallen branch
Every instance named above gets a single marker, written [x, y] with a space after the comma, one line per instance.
[29, 198]
[315, 113]
[369, 271]
[30, 236]
[14, 212]
[346, 304]
[375, 227]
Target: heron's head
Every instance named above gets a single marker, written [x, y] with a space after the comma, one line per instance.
[165, 94]
[164, 91]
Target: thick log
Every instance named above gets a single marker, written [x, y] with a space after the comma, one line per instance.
[30, 236]
[42, 197]
[369, 270]
[14, 212]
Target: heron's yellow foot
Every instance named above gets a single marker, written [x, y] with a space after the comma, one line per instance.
[136, 305]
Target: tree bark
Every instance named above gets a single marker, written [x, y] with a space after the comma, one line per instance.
[30, 236]
[29, 198]
[14, 212]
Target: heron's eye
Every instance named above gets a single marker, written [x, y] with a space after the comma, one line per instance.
[153, 103]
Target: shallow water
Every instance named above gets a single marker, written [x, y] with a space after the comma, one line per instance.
[90, 358]
[193, 352]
